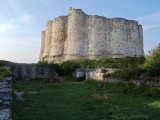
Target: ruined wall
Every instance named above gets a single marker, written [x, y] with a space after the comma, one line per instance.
[79, 36]
[6, 98]
[26, 71]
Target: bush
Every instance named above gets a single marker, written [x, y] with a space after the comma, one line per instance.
[106, 75]
[152, 63]
[153, 92]
[56, 67]
[129, 73]
[67, 67]
[2, 63]
[122, 86]
[129, 87]
[4, 72]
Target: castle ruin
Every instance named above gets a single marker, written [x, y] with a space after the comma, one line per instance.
[82, 36]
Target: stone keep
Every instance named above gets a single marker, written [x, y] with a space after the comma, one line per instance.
[82, 36]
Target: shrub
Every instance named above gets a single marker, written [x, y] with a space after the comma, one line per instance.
[106, 75]
[129, 87]
[42, 63]
[4, 72]
[122, 86]
[2, 63]
[153, 92]
[67, 67]
[129, 73]
[56, 67]
[152, 63]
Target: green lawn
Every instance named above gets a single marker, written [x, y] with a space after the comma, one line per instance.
[81, 101]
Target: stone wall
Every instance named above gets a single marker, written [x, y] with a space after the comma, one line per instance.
[95, 74]
[29, 71]
[79, 73]
[98, 74]
[5, 99]
[79, 36]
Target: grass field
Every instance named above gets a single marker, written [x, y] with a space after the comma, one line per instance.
[68, 100]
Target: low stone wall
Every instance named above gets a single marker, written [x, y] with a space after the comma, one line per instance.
[79, 73]
[98, 73]
[5, 98]
[29, 71]
[153, 83]
[95, 74]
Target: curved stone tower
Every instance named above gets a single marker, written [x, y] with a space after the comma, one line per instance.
[80, 36]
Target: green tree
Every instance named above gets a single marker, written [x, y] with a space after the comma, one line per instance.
[152, 62]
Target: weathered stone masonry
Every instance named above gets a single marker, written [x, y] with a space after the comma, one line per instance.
[6, 98]
[26, 71]
[79, 36]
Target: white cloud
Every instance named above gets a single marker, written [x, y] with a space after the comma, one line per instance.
[22, 19]
[146, 27]
[154, 17]
[19, 40]
[6, 27]
[150, 21]
[25, 18]
[14, 23]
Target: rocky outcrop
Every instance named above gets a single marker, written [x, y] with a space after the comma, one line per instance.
[79, 36]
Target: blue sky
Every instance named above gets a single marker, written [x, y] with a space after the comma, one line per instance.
[21, 22]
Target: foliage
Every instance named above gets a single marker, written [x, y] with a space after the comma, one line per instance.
[129, 87]
[2, 63]
[151, 66]
[42, 63]
[4, 72]
[129, 73]
[67, 67]
[56, 67]
[107, 63]
[152, 62]
[153, 92]
[69, 100]
[107, 75]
